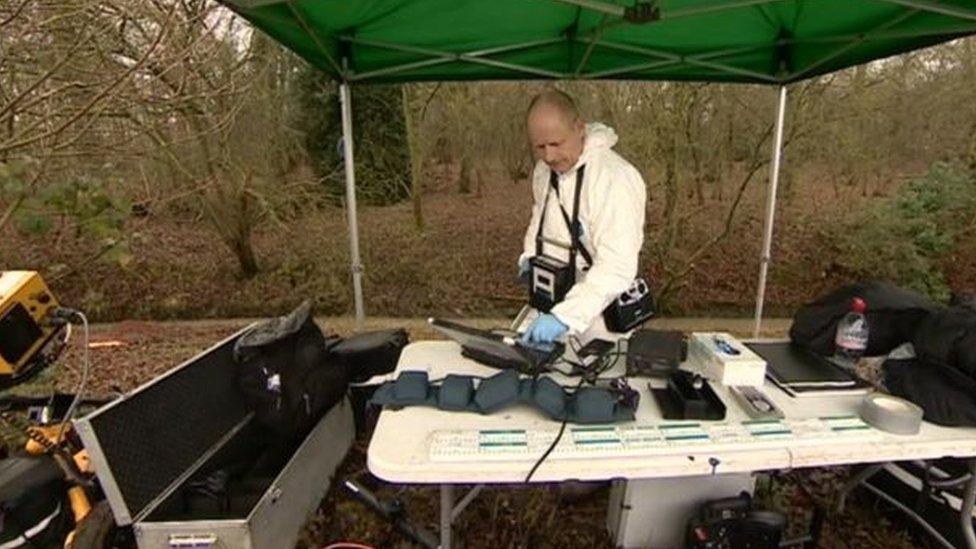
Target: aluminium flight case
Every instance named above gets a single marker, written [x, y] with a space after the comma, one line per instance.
[148, 444]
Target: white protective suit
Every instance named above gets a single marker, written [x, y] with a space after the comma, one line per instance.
[611, 213]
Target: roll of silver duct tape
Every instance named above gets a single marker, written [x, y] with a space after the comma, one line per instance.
[891, 414]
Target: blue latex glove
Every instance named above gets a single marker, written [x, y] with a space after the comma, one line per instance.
[546, 329]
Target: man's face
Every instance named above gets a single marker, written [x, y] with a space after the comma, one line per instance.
[555, 140]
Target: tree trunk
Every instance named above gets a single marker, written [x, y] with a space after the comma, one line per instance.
[670, 196]
[971, 150]
[416, 162]
[700, 188]
[244, 252]
[242, 245]
[464, 177]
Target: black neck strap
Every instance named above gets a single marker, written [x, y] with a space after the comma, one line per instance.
[573, 224]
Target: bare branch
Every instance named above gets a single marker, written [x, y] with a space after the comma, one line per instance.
[99, 97]
[47, 74]
[16, 13]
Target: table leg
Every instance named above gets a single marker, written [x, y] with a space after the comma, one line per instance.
[468, 498]
[447, 510]
[854, 482]
[966, 510]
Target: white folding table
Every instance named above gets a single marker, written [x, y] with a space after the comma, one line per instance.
[400, 447]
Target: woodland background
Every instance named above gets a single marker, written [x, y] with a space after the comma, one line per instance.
[159, 160]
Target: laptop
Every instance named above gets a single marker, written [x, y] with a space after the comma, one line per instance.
[498, 350]
[800, 372]
[793, 365]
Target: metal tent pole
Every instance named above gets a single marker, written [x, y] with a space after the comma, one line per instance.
[764, 259]
[350, 164]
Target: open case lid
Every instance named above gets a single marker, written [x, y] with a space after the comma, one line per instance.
[148, 442]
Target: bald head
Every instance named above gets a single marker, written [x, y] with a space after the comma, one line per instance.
[554, 103]
[556, 130]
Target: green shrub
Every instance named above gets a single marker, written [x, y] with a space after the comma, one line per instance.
[83, 208]
[379, 138]
[903, 238]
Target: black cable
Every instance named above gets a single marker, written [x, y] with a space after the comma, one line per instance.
[577, 347]
[591, 372]
[605, 363]
[562, 429]
[559, 436]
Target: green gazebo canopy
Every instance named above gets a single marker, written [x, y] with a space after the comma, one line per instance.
[758, 41]
[755, 41]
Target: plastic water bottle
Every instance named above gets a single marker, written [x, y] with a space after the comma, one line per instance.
[852, 335]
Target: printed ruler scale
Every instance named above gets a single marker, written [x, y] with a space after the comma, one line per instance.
[614, 441]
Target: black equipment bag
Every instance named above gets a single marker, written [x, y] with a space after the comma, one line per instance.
[942, 377]
[893, 314]
[966, 300]
[947, 396]
[363, 356]
[370, 353]
[734, 523]
[948, 336]
[286, 375]
[630, 309]
[33, 503]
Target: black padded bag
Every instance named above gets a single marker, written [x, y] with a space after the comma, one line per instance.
[947, 396]
[370, 353]
[286, 375]
[966, 300]
[893, 314]
[32, 492]
[948, 336]
[362, 356]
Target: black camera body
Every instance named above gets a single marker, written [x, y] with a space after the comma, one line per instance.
[549, 281]
[734, 523]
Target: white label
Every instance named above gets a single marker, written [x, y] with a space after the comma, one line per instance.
[186, 541]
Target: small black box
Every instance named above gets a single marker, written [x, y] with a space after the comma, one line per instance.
[655, 353]
[682, 399]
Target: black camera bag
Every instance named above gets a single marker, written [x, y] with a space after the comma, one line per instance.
[286, 374]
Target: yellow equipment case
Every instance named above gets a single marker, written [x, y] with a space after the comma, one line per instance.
[26, 306]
